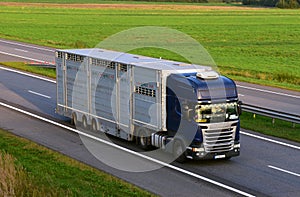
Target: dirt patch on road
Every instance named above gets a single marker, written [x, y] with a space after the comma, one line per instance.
[129, 6]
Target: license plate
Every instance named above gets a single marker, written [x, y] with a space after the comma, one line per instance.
[220, 156]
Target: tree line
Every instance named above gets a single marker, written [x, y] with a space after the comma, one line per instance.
[274, 3]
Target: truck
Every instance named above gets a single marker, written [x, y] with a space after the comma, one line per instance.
[190, 111]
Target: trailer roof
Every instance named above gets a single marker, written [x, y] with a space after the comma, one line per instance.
[138, 60]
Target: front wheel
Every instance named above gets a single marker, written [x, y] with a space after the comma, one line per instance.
[179, 151]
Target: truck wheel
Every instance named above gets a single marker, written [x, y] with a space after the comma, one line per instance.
[94, 125]
[179, 151]
[84, 122]
[144, 139]
[74, 119]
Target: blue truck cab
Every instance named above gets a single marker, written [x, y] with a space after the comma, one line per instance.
[208, 105]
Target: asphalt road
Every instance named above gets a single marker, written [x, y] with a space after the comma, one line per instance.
[263, 169]
[18, 51]
[263, 96]
[163, 182]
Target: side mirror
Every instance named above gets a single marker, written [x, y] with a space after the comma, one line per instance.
[187, 112]
[190, 115]
[239, 107]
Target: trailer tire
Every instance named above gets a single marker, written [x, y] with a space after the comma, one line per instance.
[144, 139]
[84, 122]
[94, 125]
[179, 151]
[74, 119]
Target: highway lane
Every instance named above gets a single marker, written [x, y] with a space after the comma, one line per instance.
[18, 51]
[249, 172]
[163, 181]
[19, 89]
[39, 96]
[252, 169]
[268, 97]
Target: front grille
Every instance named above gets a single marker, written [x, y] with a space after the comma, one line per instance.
[218, 140]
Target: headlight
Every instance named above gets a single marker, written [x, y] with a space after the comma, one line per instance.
[198, 149]
[236, 146]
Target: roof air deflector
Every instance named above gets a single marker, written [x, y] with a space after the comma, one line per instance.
[208, 75]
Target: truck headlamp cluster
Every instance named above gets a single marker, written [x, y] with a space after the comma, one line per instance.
[203, 113]
[198, 149]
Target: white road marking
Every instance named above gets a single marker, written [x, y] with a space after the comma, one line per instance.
[271, 140]
[130, 151]
[282, 170]
[268, 91]
[39, 94]
[241, 95]
[21, 50]
[28, 46]
[28, 74]
[23, 57]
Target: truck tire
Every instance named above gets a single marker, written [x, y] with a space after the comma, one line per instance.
[179, 151]
[144, 139]
[84, 122]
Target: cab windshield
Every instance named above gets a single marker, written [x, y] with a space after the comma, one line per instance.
[216, 112]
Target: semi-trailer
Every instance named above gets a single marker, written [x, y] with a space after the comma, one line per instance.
[188, 110]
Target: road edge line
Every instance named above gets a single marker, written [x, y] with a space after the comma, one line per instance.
[26, 45]
[27, 74]
[129, 151]
[270, 140]
[269, 91]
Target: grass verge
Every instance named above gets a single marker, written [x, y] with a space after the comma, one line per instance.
[48, 72]
[263, 124]
[28, 169]
[253, 45]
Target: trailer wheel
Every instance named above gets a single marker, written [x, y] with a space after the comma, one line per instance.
[144, 139]
[84, 122]
[74, 119]
[179, 151]
[94, 125]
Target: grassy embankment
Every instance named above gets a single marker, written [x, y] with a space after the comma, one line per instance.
[48, 72]
[253, 45]
[28, 169]
[262, 124]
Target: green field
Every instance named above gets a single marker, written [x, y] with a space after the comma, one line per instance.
[252, 45]
[258, 45]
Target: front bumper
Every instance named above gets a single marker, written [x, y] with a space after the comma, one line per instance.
[200, 154]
